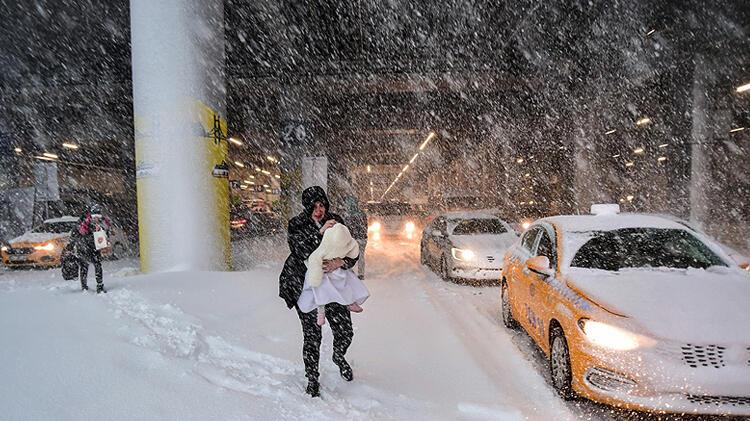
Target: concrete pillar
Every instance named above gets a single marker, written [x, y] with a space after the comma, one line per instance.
[181, 172]
[699, 176]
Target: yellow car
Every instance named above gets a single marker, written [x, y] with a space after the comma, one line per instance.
[634, 311]
[43, 246]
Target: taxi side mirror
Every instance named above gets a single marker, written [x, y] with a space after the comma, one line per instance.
[540, 265]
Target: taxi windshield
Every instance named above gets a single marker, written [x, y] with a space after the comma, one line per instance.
[643, 248]
[479, 226]
[55, 227]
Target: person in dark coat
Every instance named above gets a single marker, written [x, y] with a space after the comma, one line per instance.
[82, 240]
[305, 234]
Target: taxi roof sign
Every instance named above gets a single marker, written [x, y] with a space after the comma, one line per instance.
[605, 209]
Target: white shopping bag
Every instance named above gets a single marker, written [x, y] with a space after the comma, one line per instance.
[100, 239]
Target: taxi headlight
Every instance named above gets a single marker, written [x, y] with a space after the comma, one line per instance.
[463, 255]
[608, 336]
[410, 227]
[45, 247]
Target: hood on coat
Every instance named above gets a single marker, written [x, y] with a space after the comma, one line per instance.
[311, 195]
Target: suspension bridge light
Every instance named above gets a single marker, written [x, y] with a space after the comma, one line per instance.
[235, 141]
[414, 158]
[738, 129]
[662, 158]
[70, 145]
[610, 132]
[663, 145]
[643, 121]
[629, 164]
[239, 164]
[743, 88]
[49, 155]
[638, 150]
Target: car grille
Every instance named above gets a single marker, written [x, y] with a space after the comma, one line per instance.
[720, 400]
[21, 250]
[703, 355]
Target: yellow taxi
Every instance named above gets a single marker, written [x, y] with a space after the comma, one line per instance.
[635, 311]
[42, 247]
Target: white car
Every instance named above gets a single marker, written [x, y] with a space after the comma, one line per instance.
[466, 245]
[636, 311]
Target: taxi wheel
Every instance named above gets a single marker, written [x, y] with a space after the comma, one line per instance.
[508, 320]
[559, 364]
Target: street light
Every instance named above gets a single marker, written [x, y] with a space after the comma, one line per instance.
[235, 141]
[662, 158]
[643, 121]
[743, 88]
[18, 150]
[629, 164]
[239, 164]
[638, 150]
[49, 155]
[70, 145]
[610, 132]
[426, 141]
[738, 129]
[663, 145]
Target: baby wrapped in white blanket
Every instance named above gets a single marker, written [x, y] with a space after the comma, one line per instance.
[340, 286]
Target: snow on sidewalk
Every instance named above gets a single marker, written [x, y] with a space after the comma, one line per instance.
[223, 346]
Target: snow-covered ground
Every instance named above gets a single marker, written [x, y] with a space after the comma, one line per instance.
[199, 346]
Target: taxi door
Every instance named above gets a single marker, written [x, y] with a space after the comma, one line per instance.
[541, 294]
[519, 280]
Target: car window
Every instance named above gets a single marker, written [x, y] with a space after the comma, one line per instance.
[645, 247]
[529, 237]
[56, 227]
[546, 247]
[479, 226]
[440, 224]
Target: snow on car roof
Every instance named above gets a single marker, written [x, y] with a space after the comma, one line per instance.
[588, 223]
[61, 219]
[469, 215]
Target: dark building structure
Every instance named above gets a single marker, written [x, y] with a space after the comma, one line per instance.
[560, 88]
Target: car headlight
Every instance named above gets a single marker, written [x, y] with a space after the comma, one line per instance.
[45, 247]
[463, 255]
[608, 336]
[375, 226]
[410, 227]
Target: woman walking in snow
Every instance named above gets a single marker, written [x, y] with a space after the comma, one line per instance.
[305, 235]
